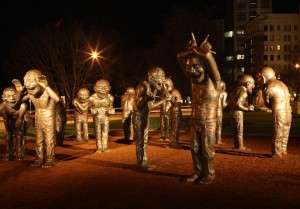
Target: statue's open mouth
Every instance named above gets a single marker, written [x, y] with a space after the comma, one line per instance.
[30, 89]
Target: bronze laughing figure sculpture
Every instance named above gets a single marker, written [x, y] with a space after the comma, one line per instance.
[13, 112]
[199, 65]
[277, 98]
[144, 101]
[238, 105]
[81, 108]
[101, 105]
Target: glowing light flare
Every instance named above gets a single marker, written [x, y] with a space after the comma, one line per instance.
[297, 66]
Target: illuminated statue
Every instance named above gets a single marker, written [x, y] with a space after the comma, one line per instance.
[199, 65]
[277, 98]
[165, 114]
[81, 108]
[174, 111]
[45, 102]
[13, 113]
[144, 101]
[221, 105]
[127, 111]
[60, 122]
[238, 105]
[101, 105]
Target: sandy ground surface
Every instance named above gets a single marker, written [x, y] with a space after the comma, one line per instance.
[84, 179]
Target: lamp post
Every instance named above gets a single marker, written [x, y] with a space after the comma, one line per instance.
[297, 107]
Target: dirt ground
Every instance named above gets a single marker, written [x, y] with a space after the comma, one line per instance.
[84, 179]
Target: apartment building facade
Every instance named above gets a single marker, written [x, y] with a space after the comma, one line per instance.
[272, 40]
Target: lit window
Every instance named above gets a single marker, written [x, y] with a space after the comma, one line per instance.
[229, 58]
[228, 34]
[240, 32]
[240, 57]
[278, 47]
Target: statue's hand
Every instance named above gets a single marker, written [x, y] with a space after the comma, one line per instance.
[251, 108]
[17, 84]
[111, 111]
[205, 45]
[93, 111]
[42, 80]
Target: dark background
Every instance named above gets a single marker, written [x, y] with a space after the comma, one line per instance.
[127, 17]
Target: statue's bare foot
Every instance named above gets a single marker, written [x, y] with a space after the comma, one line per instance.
[48, 164]
[205, 180]
[37, 163]
[190, 178]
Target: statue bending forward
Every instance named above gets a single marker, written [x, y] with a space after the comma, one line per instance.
[127, 111]
[81, 108]
[277, 98]
[13, 112]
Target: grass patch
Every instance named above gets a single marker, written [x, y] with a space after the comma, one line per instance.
[255, 123]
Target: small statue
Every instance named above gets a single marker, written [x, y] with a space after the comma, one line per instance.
[60, 122]
[277, 98]
[175, 112]
[143, 103]
[101, 106]
[199, 65]
[81, 108]
[44, 100]
[221, 105]
[127, 111]
[13, 113]
[238, 105]
[165, 113]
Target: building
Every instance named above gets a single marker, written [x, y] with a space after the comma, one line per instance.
[272, 40]
[238, 13]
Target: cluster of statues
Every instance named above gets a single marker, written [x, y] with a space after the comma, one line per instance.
[209, 98]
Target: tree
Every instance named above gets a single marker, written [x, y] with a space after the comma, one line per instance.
[62, 53]
[178, 27]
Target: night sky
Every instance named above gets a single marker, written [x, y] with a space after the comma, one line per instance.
[133, 20]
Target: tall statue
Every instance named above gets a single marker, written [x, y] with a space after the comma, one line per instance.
[127, 100]
[221, 105]
[199, 65]
[144, 101]
[175, 112]
[101, 105]
[277, 98]
[13, 112]
[81, 108]
[44, 100]
[238, 105]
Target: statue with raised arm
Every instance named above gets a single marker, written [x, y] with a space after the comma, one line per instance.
[239, 104]
[101, 106]
[277, 98]
[81, 108]
[144, 101]
[127, 100]
[44, 100]
[13, 112]
[175, 114]
[199, 65]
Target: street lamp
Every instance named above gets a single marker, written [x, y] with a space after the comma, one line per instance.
[297, 66]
